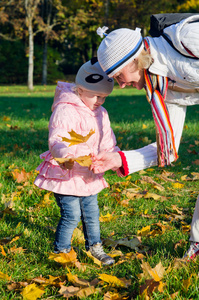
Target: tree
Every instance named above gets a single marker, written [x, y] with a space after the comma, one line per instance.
[53, 14]
[31, 8]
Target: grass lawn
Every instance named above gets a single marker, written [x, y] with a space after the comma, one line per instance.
[145, 217]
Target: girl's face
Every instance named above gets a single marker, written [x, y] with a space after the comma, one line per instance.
[130, 75]
[92, 99]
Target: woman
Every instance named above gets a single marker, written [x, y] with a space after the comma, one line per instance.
[169, 78]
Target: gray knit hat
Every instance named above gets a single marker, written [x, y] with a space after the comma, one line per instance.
[91, 77]
[118, 48]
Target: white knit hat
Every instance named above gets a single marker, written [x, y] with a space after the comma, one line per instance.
[118, 48]
[91, 77]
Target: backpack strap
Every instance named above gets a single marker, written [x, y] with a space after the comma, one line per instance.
[171, 44]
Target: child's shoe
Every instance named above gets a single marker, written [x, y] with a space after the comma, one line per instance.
[62, 251]
[192, 252]
[98, 252]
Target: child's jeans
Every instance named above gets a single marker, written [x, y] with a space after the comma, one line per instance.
[72, 208]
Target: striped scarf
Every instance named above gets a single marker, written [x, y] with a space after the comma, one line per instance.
[156, 88]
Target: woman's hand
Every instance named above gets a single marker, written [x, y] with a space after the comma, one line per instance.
[105, 161]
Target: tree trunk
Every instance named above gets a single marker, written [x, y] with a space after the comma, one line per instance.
[31, 56]
[44, 63]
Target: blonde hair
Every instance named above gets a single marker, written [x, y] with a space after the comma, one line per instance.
[144, 60]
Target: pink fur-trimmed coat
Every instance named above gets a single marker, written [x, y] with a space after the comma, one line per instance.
[70, 113]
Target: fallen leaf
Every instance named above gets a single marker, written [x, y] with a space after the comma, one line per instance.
[177, 185]
[76, 281]
[107, 218]
[2, 251]
[5, 276]
[114, 296]
[114, 281]
[32, 292]
[21, 176]
[68, 291]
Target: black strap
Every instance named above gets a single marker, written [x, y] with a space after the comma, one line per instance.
[171, 44]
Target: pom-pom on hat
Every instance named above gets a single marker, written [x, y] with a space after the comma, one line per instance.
[91, 77]
[118, 48]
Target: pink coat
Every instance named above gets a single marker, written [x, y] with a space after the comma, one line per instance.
[70, 113]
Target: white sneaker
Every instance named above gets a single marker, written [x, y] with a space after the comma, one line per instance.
[98, 252]
[192, 252]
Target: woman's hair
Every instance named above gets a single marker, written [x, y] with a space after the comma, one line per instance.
[144, 60]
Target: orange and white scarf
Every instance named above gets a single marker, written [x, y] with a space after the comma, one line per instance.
[156, 88]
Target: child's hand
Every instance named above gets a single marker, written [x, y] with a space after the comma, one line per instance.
[67, 165]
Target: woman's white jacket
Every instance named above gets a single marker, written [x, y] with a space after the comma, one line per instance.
[183, 73]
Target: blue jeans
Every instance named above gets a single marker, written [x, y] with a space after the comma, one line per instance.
[72, 208]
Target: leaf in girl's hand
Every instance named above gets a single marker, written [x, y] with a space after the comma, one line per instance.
[84, 161]
[77, 138]
[63, 160]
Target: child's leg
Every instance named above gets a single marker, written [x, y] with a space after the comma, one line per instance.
[90, 220]
[194, 235]
[91, 226]
[70, 216]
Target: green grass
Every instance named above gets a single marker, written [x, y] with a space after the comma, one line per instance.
[24, 120]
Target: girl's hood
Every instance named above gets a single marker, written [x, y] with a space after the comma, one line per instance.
[64, 93]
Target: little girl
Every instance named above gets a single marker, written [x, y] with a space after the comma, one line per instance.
[78, 107]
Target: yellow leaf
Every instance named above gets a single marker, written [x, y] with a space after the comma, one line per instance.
[186, 284]
[184, 177]
[55, 281]
[107, 218]
[115, 253]
[64, 258]
[62, 160]
[84, 161]
[2, 251]
[144, 231]
[14, 239]
[114, 296]
[112, 280]
[32, 292]
[177, 185]
[152, 195]
[77, 138]
[156, 273]
[76, 281]
[95, 260]
[85, 292]
[4, 276]
[144, 126]
[78, 236]
[5, 118]
[146, 140]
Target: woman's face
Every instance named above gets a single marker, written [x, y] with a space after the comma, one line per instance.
[130, 75]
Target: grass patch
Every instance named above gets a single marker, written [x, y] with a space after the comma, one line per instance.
[29, 222]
